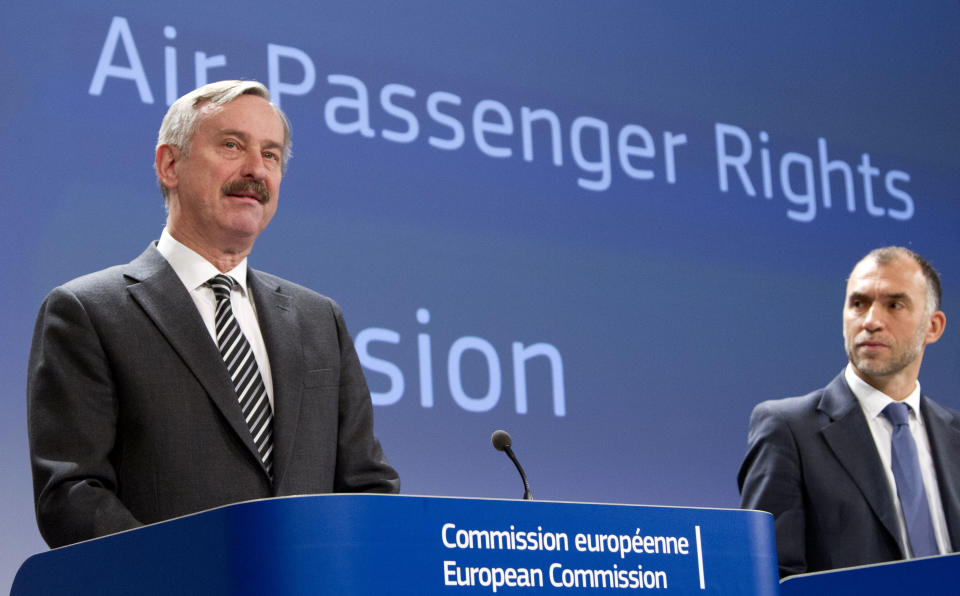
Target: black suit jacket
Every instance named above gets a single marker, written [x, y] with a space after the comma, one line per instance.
[813, 464]
[133, 419]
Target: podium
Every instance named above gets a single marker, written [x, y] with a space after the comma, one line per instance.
[929, 576]
[387, 544]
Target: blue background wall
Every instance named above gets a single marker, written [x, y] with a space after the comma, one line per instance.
[674, 303]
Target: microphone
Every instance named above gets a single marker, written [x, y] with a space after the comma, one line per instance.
[501, 441]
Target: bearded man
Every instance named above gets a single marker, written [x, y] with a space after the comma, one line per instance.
[866, 469]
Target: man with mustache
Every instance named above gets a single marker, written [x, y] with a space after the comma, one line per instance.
[848, 480]
[185, 380]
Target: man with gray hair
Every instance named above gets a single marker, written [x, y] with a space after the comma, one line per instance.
[185, 380]
[866, 469]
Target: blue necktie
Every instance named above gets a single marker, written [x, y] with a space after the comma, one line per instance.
[906, 473]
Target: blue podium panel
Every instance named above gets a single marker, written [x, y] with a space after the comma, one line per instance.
[376, 544]
[930, 576]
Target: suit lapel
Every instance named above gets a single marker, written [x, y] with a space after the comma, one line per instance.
[852, 443]
[943, 431]
[281, 335]
[160, 293]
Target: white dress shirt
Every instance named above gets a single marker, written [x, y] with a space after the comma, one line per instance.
[194, 271]
[872, 402]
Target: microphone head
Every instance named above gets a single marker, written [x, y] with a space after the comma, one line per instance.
[500, 439]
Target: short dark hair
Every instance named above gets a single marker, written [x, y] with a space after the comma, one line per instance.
[888, 254]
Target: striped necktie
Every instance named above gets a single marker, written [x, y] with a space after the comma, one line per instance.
[242, 366]
[906, 473]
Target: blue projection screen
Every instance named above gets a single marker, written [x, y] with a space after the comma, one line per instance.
[610, 228]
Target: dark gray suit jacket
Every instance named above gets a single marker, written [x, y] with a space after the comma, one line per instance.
[133, 419]
[813, 464]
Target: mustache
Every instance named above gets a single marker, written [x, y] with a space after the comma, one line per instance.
[247, 185]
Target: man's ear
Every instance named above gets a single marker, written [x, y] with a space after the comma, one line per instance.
[167, 156]
[938, 322]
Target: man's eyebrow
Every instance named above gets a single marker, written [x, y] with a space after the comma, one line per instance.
[888, 296]
[230, 132]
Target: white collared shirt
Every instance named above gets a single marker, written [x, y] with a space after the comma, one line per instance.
[872, 402]
[194, 271]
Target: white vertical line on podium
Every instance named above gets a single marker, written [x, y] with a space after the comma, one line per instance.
[703, 585]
